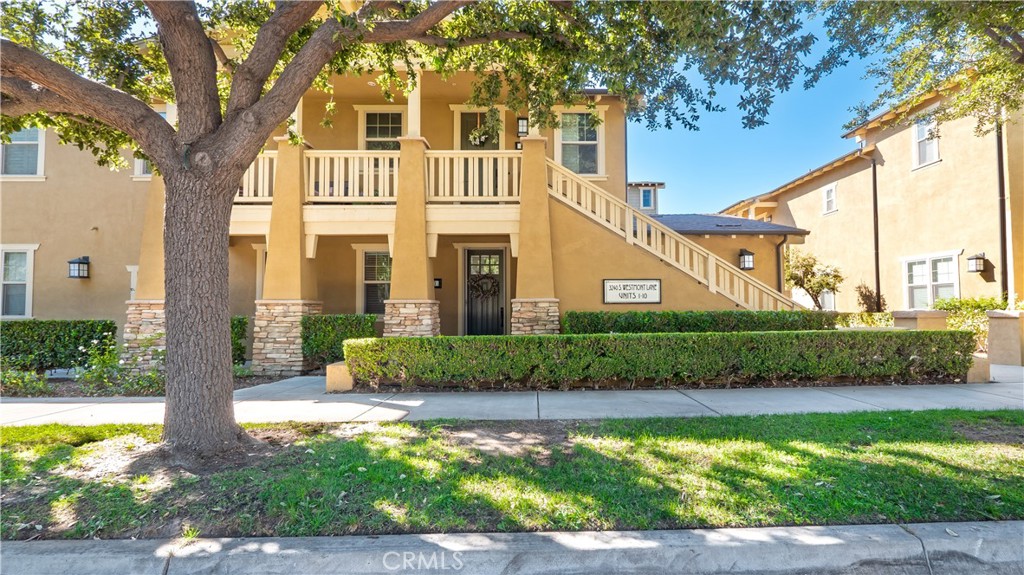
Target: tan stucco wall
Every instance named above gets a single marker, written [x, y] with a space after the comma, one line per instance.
[951, 205]
[764, 248]
[1014, 180]
[585, 254]
[81, 209]
[242, 273]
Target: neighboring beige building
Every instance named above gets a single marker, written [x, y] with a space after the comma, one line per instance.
[397, 209]
[905, 212]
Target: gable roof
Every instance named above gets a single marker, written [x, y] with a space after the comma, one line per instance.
[717, 224]
[810, 175]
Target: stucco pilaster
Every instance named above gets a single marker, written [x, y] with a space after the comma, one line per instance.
[535, 275]
[150, 282]
[289, 274]
[411, 267]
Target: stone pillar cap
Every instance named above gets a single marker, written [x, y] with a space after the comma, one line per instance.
[1005, 313]
[914, 313]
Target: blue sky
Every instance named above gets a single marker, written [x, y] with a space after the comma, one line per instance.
[706, 170]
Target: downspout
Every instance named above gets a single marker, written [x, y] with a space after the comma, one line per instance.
[874, 217]
[1004, 281]
[779, 270]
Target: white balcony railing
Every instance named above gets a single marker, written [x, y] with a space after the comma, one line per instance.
[473, 176]
[257, 185]
[351, 176]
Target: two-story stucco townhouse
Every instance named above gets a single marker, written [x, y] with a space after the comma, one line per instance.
[397, 210]
[914, 213]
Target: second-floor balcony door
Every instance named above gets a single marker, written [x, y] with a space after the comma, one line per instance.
[473, 176]
[485, 292]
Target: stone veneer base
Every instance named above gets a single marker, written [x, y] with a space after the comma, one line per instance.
[535, 316]
[412, 318]
[144, 332]
[277, 336]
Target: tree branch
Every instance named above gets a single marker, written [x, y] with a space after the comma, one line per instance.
[42, 85]
[497, 36]
[1017, 50]
[192, 64]
[222, 56]
[252, 74]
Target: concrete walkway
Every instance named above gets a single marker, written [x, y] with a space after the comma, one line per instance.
[916, 549]
[304, 399]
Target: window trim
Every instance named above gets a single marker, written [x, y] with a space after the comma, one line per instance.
[30, 251]
[650, 193]
[363, 109]
[40, 174]
[602, 171]
[927, 259]
[458, 109]
[361, 251]
[915, 148]
[833, 187]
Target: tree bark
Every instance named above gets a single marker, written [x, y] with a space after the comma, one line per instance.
[199, 417]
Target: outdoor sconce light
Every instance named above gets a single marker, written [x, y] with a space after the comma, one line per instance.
[523, 127]
[746, 260]
[976, 263]
[78, 268]
[519, 145]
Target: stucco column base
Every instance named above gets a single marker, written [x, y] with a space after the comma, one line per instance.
[1006, 337]
[535, 316]
[412, 318]
[920, 319]
[980, 371]
[145, 333]
[277, 336]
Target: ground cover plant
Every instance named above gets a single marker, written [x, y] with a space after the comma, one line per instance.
[626, 361]
[438, 476]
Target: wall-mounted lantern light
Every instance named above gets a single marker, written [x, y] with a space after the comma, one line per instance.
[976, 263]
[746, 259]
[78, 268]
[523, 127]
[519, 145]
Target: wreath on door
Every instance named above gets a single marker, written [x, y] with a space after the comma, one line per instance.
[484, 286]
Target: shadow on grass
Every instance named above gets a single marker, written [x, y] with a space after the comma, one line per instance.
[636, 474]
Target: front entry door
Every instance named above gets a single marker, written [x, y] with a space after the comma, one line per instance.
[485, 292]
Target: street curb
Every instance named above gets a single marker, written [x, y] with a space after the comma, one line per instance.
[976, 548]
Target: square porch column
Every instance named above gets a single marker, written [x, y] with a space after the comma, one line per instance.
[144, 327]
[920, 319]
[535, 307]
[289, 284]
[411, 309]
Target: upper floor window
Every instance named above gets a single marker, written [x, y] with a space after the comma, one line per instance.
[929, 278]
[647, 199]
[926, 145]
[17, 261]
[24, 155]
[383, 130]
[829, 202]
[642, 199]
[580, 143]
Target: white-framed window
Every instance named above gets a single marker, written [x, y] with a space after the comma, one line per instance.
[22, 159]
[829, 200]
[380, 126]
[930, 277]
[926, 145]
[579, 141]
[376, 286]
[16, 289]
[642, 199]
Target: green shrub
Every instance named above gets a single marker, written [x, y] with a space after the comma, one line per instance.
[581, 322]
[323, 336]
[15, 382]
[40, 345]
[106, 373]
[969, 314]
[631, 360]
[865, 319]
[239, 338]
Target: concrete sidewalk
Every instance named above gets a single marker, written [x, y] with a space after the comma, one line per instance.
[925, 549]
[304, 399]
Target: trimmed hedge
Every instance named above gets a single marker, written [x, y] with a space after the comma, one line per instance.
[239, 338]
[580, 322]
[865, 319]
[323, 336]
[637, 360]
[40, 345]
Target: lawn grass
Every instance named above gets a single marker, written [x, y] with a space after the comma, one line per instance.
[443, 476]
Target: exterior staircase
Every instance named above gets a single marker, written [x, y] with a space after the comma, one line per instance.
[638, 229]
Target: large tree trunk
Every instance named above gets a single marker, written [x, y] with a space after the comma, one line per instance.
[199, 418]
